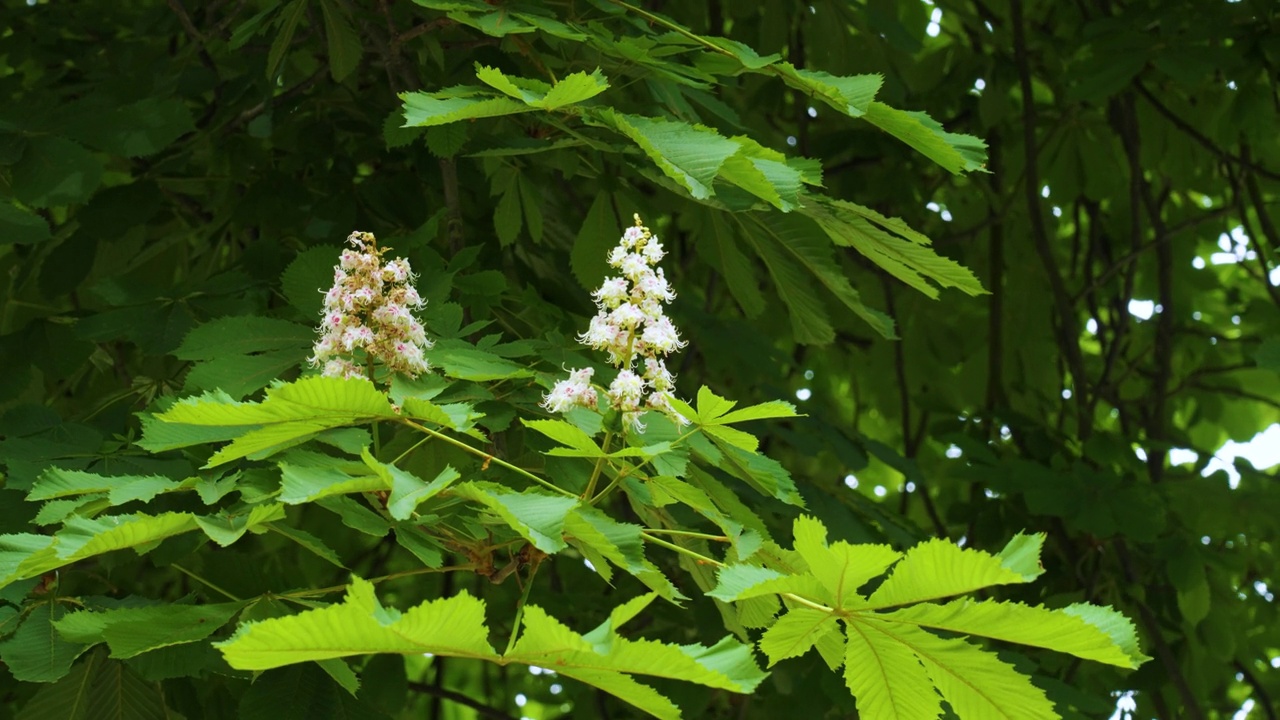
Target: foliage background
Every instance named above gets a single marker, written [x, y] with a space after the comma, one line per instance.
[178, 160]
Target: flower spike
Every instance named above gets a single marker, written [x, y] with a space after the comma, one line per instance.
[370, 310]
[630, 326]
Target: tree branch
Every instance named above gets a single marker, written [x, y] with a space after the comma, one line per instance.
[1068, 330]
[459, 698]
[1162, 649]
[1196, 135]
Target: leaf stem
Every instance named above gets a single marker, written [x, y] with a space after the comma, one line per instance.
[600, 461]
[682, 550]
[482, 454]
[201, 580]
[412, 447]
[689, 533]
[376, 580]
[811, 604]
[674, 27]
[524, 600]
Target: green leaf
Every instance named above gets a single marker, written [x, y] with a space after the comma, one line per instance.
[53, 171]
[728, 259]
[408, 492]
[763, 411]
[229, 526]
[850, 95]
[290, 413]
[588, 259]
[574, 88]
[525, 90]
[82, 538]
[67, 699]
[305, 278]
[20, 227]
[466, 362]
[459, 416]
[566, 434]
[344, 43]
[1068, 631]
[36, 653]
[289, 18]
[976, 684]
[742, 582]
[304, 483]
[445, 141]
[356, 516]
[937, 569]
[531, 205]
[764, 173]
[241, 335]
[133, 631]
[789, 242]
[761, 472]
[341, 673]
[955, 153]
[1267, 355]
[239, 375]
[546, 642]
[840, 567]
[796, 632]
[908, 260]
[58, 483]
[885, 677]
[312, 543]
[361, 625]
[135, 129]
[308, 691]
[454, 104]
[118, 692]
[536, 517]
[692, 155]
[507, 217]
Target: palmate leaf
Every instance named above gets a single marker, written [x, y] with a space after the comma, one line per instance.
[571, 89]
[133, 631]
[546, 642]
[538, 518]
[605, 540]
[35, 652]
[290, 413]
[360, 625]
[81, 538]
[456, 103]
[1082, 630]
[796, 632]
[894, 668]
[956, 153]
[691, 155]
[851, 95]
[59, 483]
[910, 260]
[796, 253]
[886, 678]
[937, 569]
[455, 627]
[242, 335]
[24, 555]
[840, 567]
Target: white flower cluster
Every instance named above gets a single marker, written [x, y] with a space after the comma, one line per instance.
[370, 309]
[630, 325]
